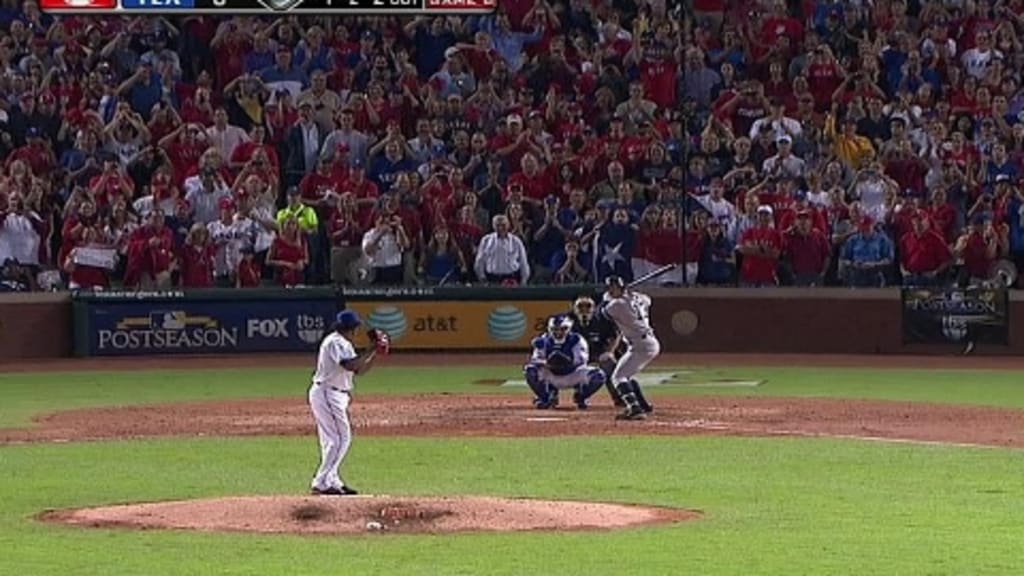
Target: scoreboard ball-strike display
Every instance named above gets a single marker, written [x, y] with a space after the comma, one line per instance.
[297, 7]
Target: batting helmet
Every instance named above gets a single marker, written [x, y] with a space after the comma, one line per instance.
[615, 281]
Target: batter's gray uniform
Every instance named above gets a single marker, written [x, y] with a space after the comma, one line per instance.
[630, 312]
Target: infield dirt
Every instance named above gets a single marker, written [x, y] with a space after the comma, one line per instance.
[512, 416]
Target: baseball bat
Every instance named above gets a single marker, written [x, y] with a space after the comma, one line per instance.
[653, 274]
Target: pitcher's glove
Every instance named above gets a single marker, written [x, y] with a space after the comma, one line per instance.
[559, 363]
[380, 340]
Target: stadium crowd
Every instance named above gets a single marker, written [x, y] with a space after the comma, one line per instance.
[558, 141]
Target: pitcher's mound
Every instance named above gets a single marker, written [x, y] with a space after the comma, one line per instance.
[362, 514]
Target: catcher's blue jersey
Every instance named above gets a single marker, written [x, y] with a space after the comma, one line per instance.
[573, 347]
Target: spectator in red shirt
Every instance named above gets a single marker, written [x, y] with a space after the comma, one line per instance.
[184, 146]
[515, 142]
[532, 180]
[693, 251]
[924, 255]
[37, 153]
[85, 276]
[760, 247]
[245, 151]
[289, 255]
[197, 257]
[345, 230]
[364, 191]
[808, 251]
[250, 273]
[979, 248]
[111, 184]
[151, 255]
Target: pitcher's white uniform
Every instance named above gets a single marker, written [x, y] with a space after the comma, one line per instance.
[329, 397]
[630, 312]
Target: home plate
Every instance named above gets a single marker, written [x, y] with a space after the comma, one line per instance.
[546, 419]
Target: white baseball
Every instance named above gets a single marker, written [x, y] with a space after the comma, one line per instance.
[374, 525]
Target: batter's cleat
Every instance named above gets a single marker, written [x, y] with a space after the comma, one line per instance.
[327, 492]
[618, 403]
[348, 491]
[632, 413]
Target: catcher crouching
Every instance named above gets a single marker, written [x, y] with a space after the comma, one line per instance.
[558, 362]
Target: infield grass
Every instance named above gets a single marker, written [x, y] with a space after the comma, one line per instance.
[772, 506]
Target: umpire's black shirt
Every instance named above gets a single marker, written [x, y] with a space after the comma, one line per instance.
[599, 334]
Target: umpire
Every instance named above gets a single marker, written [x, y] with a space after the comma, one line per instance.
[602, 338]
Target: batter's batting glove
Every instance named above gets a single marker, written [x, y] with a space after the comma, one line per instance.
[380, 340]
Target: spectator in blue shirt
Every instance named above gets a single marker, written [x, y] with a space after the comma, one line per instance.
[312, 54]
[262, 55]
[571, 265]
[866, 256]
[284, 76]
[143, 89]
[549, 239]
[508, 44]
[431, 37]
[385, 168]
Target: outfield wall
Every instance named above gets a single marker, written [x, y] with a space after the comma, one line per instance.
[35, 325]
[792, 320]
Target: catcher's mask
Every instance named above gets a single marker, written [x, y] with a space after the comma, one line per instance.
[584, 308]
[558, 328]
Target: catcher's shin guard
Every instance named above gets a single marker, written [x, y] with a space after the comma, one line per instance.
[640, 399]
[547, 395]
[595, 380]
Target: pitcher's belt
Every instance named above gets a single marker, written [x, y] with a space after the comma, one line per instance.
[335, 388]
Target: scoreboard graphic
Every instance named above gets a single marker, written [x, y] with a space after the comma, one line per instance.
[297, 7]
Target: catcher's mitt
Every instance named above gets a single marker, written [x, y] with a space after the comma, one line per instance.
[380, 340]
[559, 363]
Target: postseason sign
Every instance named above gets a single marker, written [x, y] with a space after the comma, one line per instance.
[956, 316]
[178, 326]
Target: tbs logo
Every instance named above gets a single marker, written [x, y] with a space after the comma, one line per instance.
[272, 328]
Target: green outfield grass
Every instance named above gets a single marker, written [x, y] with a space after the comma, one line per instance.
[773, 506]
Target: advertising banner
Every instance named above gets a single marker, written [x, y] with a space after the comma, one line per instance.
[954, 316]
[498, 325]
[120, 328]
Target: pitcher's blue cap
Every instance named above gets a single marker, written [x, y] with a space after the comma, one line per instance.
[348, 319]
